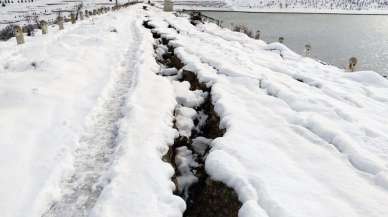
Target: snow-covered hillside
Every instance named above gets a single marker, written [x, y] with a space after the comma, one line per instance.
[287, 5]
[28, 11]
[298, 135]
[139, 113]
[314, 4]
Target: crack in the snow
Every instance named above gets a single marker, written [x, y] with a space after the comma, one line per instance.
[203, 196]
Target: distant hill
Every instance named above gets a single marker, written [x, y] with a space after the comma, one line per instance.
[316, 4]
[297, 4]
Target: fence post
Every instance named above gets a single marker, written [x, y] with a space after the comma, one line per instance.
[60, 22]
[72, 18]
[19, 35]
[307, 50]
[352, 63]
[43, 26]
[168, 6]
[257, 36]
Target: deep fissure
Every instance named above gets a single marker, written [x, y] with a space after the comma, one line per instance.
[204, 197]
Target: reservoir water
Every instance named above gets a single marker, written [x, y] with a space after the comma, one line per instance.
[334, 38]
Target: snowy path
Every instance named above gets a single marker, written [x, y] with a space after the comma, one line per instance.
[68, 97]
[98, 143]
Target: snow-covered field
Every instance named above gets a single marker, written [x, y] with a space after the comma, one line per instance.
[27, 12]
[86, 119]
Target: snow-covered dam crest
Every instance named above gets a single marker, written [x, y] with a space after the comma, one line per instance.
[139, 112]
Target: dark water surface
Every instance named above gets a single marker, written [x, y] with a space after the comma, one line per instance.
[334, 38]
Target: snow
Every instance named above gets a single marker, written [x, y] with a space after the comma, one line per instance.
[169, 71]
[372, 7]
[44, 110]
[87, 118]
[186, 97]
[200, 144]
[369, 78]
[310, 137]
[185, 163]
[141, 182]
[184, 120]
[78, 92]
[24, 13]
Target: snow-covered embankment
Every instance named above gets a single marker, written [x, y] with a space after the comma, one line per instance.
[79, 112]
[301, 137]
[95, 125]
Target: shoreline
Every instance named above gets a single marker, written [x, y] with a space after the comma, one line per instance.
[282, 11]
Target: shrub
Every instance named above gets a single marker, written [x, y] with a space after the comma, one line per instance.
[7, 33]
[243, 29]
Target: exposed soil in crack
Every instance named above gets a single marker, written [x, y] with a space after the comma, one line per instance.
[208, 197]
[204, 196]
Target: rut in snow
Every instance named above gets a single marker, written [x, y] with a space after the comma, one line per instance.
[97, 145]
[203, 196]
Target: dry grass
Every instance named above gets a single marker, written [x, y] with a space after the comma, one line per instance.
[243, 29]
[7, 33]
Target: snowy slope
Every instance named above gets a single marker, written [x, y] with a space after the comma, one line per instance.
[320, 4]
[288, 5]
[86, 120]
[22, 13]
[59, 128]
[301, 138]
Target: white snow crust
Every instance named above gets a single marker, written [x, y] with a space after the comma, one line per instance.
[86, 118]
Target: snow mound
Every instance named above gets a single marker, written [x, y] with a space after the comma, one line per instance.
[186, 97]
[368, 78]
